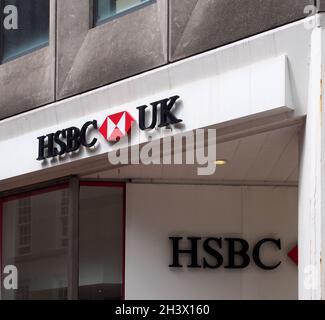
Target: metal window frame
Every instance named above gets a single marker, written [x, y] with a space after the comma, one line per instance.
[1, 30]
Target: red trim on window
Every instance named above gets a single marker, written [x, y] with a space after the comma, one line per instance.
[35, 192]
[102, 184]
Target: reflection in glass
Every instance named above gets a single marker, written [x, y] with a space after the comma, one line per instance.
[33, 231]
[105, 9]
[101, 243]
[33, 28]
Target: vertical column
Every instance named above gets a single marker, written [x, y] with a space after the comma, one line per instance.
[312, 180]
[73, 255]
[1, 246]
[322, 223]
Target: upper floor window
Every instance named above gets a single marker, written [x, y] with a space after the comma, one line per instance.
[105, 9]
[24, 28]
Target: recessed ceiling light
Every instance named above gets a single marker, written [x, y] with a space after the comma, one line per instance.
[220, 162]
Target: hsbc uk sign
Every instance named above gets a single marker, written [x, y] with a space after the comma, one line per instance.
[114, 127]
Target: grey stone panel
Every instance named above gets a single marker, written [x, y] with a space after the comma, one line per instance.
[320, 5]
[199, 25]
[91, 57]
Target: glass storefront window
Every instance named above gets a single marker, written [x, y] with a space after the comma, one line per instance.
[105, 9]
[36, 233]
[32, 32]
[33, 240]
[101, 240]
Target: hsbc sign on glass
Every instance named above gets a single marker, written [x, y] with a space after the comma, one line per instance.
[113, 128]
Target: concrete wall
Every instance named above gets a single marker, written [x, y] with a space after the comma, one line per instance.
[199, 25]
[321, 5]
[81, 58]
[156, 212]
[29, 81]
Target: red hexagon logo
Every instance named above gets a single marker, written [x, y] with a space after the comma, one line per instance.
[293, 255]
[117, 126]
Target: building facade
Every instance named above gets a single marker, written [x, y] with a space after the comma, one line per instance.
[162, 149]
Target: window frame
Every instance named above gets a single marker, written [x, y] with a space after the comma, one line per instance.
[2, 16]
[94, 12]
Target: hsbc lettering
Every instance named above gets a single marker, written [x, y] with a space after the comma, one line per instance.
[71, 139]
[238, 251]
[65, 141]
